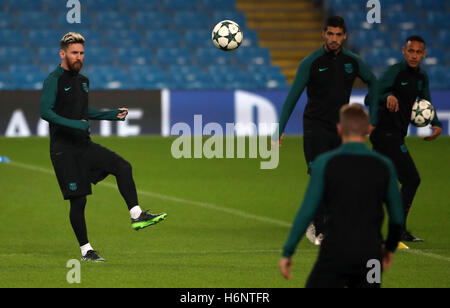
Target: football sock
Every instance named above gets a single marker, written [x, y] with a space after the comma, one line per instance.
[85, 249]
[135, 212]
[77, 219]
[123, 172]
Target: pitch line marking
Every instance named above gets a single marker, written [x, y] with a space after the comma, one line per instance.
[175, 199]
[214, 207]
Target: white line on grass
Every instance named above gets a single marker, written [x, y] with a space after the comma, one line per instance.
[215, 208]
[427, 254]
[175, 199]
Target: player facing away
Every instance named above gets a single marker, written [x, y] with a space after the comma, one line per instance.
[77, 160]
[399, 87]
[352, 182]
[328, 74]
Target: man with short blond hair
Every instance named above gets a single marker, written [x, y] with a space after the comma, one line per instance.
[352, 182]
[77, 160]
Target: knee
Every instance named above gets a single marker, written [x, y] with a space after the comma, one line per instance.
[123, 167]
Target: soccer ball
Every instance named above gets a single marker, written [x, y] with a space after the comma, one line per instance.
[227, 35]
[422, 113]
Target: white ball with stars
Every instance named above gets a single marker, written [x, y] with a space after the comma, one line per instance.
[422, 113]
[227, 35]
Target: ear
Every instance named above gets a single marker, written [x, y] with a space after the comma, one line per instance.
[339, 129]
[62, 54]
[404, 50]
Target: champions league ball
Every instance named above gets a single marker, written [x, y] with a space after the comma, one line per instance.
[422, 113]
[227, 35]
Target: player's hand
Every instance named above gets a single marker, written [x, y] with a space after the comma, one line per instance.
[392, 103]
[436, 132]
[85, 125]
[388, 256]
[274, 144]
[281, 139]
[285, 267]
[123, 114]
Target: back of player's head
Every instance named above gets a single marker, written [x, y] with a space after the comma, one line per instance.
[335, 22]
[354, 120]
[415, 38]
[71, 38]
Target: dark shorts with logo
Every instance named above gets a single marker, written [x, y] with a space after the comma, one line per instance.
[76, 168]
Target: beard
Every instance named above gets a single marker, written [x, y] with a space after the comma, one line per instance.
[74, 66]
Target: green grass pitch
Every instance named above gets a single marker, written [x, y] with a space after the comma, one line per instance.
[227, 220]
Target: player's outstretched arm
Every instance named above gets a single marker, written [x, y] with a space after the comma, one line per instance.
[110, 115]
[48, 100]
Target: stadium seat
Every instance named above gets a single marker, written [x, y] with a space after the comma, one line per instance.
[12, 38]
[99, 55]
[151, 20]
[33, 20]
[22, 5]
[253, 56]
[162, 38]
[213, 56]
[193, 39]
[439, 77]
[194, 19]
[235, 16]
[170, 56]
[44, 38]
[6, 20]
[218, 4]
[16, 55]
[134, 56]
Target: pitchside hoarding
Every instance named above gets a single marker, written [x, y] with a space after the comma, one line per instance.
[156, 112]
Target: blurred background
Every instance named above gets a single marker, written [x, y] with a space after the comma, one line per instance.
[153, 44]
[166, 44]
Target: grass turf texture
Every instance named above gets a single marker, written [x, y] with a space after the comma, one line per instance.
[216, 233]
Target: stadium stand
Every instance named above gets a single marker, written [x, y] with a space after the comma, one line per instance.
[133, 45]
[145, 44]
[380, 44]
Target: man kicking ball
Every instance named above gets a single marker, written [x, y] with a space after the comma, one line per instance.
[77, 160]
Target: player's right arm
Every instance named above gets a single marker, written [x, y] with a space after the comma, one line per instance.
[48, 100]
[386, 89]
[297, 88]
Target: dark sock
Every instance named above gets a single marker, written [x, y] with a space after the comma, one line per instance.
[124, 176]
[77, 219]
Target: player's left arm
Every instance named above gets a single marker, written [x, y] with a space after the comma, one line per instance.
[109, 115]
[308, 209]
[370, 79]
[436, 125]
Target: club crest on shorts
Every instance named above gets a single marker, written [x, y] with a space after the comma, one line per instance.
[85, 87]
[348, 68]
[73, 186]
